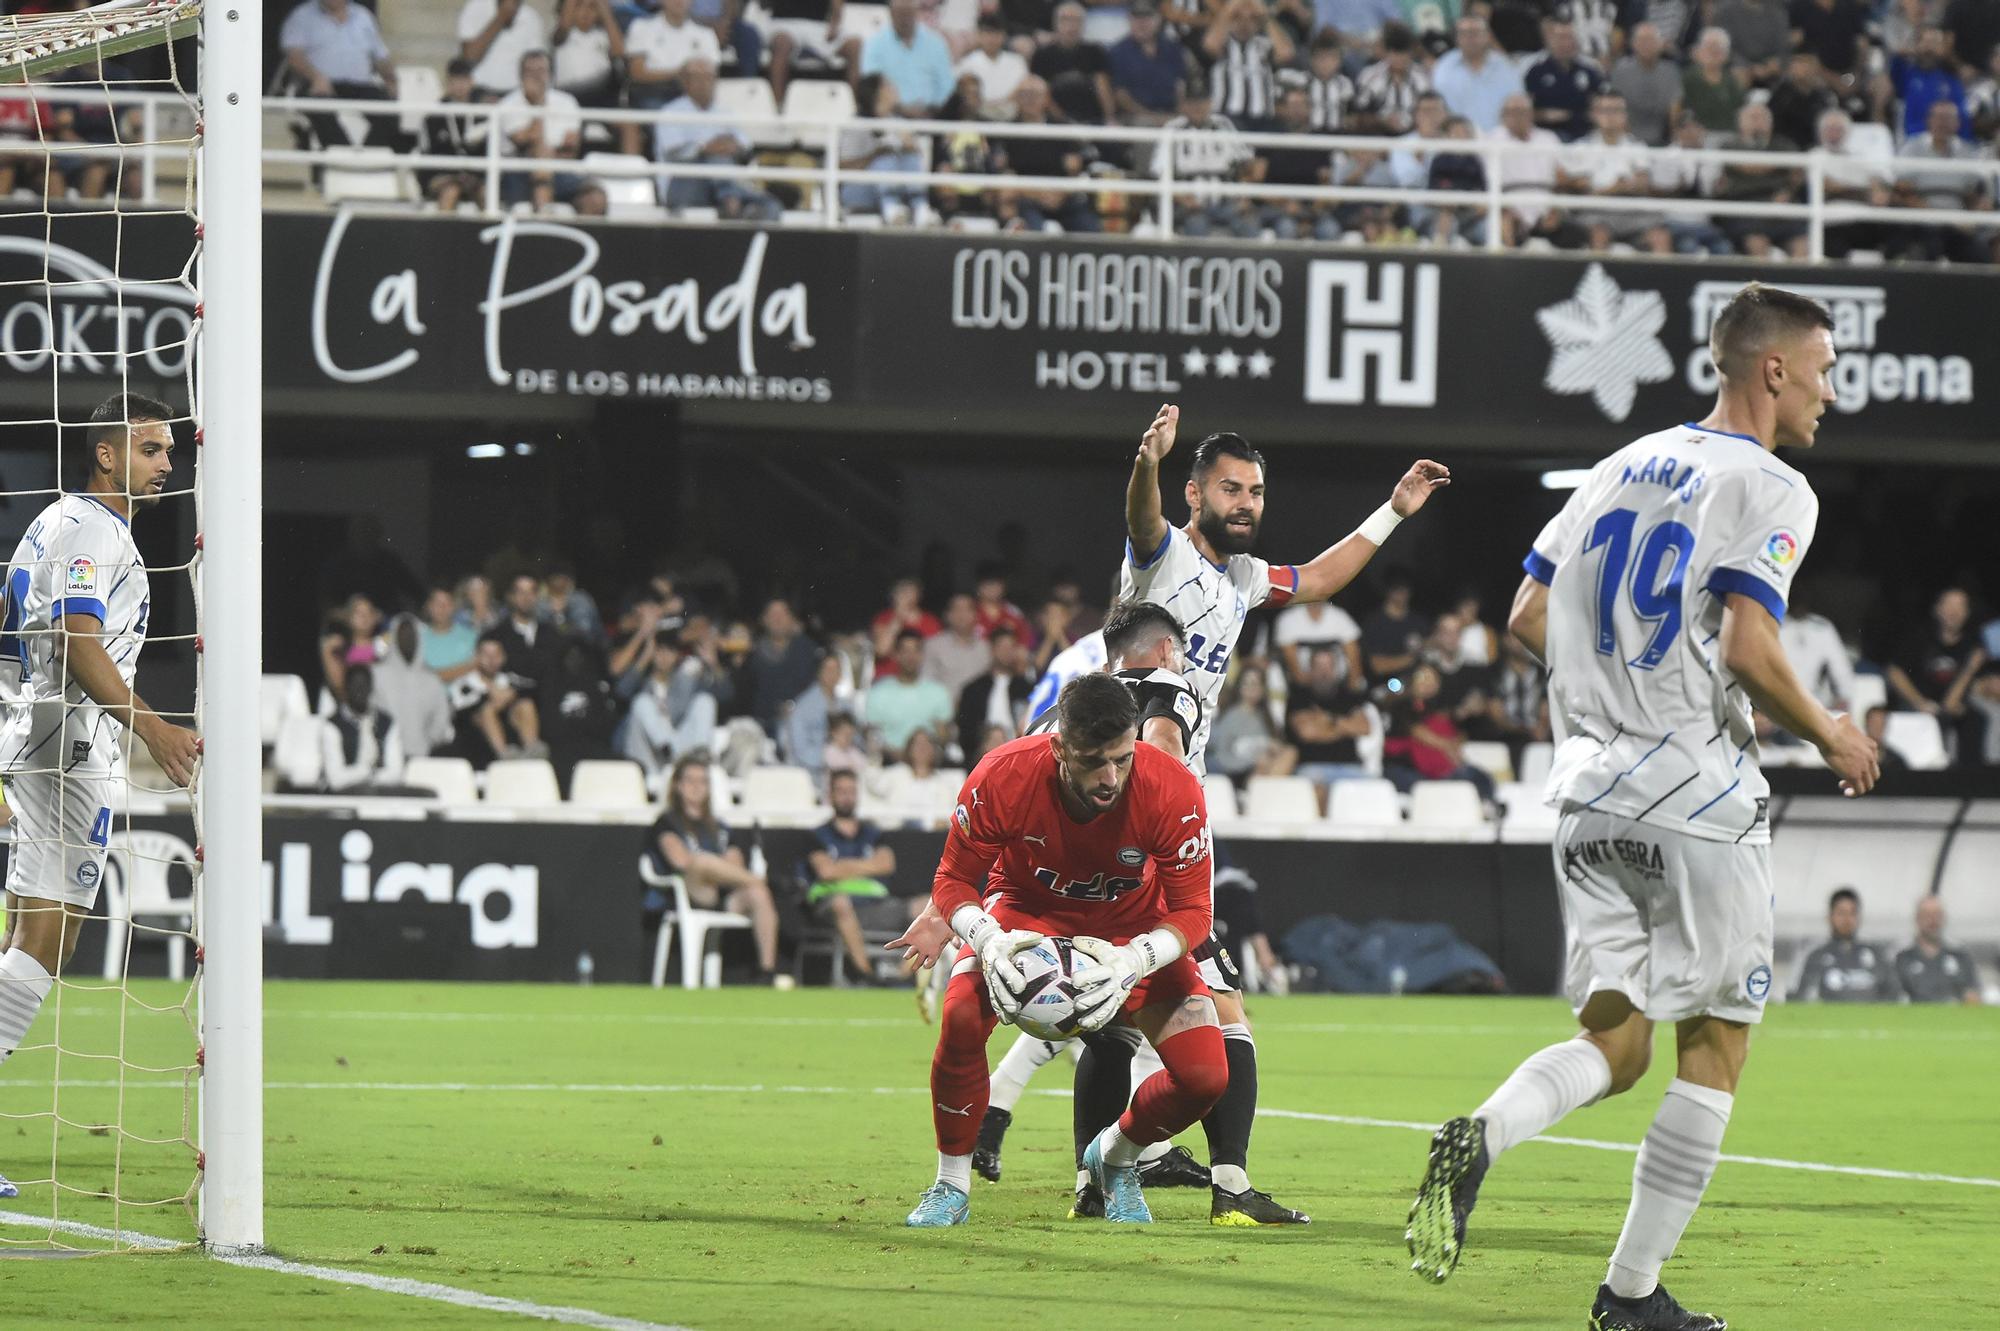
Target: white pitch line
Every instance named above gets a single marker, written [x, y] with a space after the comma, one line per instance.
[760, 1088]
[415, 1289]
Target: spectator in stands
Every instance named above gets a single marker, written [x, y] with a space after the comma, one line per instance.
[1393, 634]
[1818, 655]
[572, 609]
[532, 643]
[1563, 85]
[1679, 174]
[410, 694]
[477, 609]
[448, 641]
[589, 50]
[1045, 157]
[991, 606]
[781, 666]
[85, 134]
[1300, 630]
[1931, 970]
[334, 49]
[450, 133]
[541, 123]
[1710, 88]
[714, 144]
[1921, 187]
[1207, 149]
[494, 35]
[1425, 743]
[1330, 93]
[1800, 100]
[960, 654]
[1324, 717]
[866, 149]
[1982, 102]
[998, 69]
[352, 638]
[1517, 700]
[580, 721]
[1650, 83]
[1759, 36]
[1244, 740]
[846, 747]
[810, 28]
[913, 59]
[1289, 219]
[1745, 183]
[1876, 725]
[1934, 668]
[736, 35]
[908, 701]
[1615, 164]
[1055, 634]
[1410, 165]
[1386, 92]
[360, 746]
[1475, 639]
[689, 840]
[658, 47]
[848, 862]
[1358, 21]
[1927, 77]
[905, 611]
[1844, 969]
[1903, 21]
[492, 715]
[1835, 32]
[802, 731]
[1459, 171]
[1000, 696]
[1245, 45]
[674, 713]
[1148, 69]
[1531, 170]
[917, 790]
[1077, 71]
[1476, 78]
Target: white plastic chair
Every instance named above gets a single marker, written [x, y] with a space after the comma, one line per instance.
[1525, 815]
[1442, 805]
[1221, 792]
[863, 21]
[1281, 799]
[1363, 803]
[1491, 758]
[607, 783]
[136, 888]
[623, 195]
[279, 696]
[365, 174]
[776, 793]
[1917, 737]
[751, 106]
[814, 108]
[699, 970]
[418, 83]
[296, 756]
[451, 778]
[1869, 691]
[527, 783]
[1536, 759]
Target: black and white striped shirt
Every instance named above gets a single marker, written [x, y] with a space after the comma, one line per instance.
[1243, 79]
[1378, 92]
[1594, 21]
[1332, 98]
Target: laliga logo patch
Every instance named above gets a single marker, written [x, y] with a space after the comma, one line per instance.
[1131, 857]
[1184, 704]
[1781, 550]
[1758, 985]
[82, 574]
[963, 819]
[86, 873]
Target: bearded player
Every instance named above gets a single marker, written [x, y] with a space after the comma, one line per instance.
[1089, 834]
[1655, 597]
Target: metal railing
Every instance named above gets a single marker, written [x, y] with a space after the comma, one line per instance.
[1161, 187]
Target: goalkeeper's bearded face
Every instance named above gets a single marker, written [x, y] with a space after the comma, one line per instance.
[1096, 777]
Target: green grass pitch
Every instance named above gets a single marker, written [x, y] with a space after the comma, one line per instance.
[744, 1159]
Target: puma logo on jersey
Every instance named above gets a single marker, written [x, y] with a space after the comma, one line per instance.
[962, 1113]
[975, 797]
[1041, 841]
[1190, 817]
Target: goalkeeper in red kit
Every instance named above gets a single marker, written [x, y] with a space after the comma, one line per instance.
[1087, 834]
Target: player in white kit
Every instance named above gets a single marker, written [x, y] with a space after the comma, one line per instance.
[76, 600]
[1655, 596]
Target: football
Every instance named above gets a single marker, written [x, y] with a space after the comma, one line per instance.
[1048, 999]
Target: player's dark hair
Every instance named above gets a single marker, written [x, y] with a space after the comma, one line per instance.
[1093, 711]
[1754, 318]
[1133, 626]
[112, 418]
[1841, 894]
[1222, 445]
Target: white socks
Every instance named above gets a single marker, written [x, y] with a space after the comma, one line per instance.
[1550, 1084]
[23, 986]
[1675, 1163]
[1118, 1149]
[1022, 1060]
[956, 1170]
[1229, 1178]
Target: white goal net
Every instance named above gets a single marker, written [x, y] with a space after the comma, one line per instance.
[101, 259]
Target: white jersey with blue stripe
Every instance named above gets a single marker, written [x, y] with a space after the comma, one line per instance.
[1210, 600]
[1638, 565]
[1085, 656]
[78, 557]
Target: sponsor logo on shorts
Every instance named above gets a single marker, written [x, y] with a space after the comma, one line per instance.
[82, 574]
[1131, 857]
[86, 873]
[1644, 858]
[1758, 984]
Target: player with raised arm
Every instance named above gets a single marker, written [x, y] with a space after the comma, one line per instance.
[76, 600]
[1089, 834]
[1655, 596]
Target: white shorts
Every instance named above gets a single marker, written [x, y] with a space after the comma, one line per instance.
[62, 823]
[809, 34]
[1678, 924]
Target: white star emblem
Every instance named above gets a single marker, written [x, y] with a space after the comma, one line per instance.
[1260, 365]
[1606, 343]
[1193, 363]
[1227, 363]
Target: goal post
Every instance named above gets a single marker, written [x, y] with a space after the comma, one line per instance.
[229, 419]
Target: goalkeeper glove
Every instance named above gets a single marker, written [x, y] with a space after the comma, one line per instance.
[995, 947]
[1101, 990]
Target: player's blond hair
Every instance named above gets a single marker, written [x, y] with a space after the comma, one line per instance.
[1754, 320]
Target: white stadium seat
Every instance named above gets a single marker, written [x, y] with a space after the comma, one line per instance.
[1917, 737]
[1282, 799]
[624, 195]
[296, 756]
[280, 696]
[365, 174]
[1369, 803]
[751, 105]
[1493, 759]
[1535, 762]
[526, 783]
[451, 778]
[1446, 804]
[1221, 792]
[813, 107]
[1526, 817]
[775, 793]
[418, 85]
[608, 783]
[1869, 691]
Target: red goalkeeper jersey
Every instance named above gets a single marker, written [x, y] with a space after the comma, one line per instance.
[1143, 864]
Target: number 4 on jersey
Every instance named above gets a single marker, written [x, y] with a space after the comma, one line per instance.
[1655, 601]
